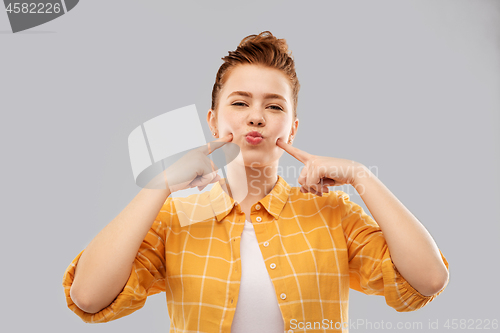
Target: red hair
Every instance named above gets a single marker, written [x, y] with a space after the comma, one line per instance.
[262, 49]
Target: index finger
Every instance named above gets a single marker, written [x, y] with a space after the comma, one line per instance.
[216, 144]
[295, 152]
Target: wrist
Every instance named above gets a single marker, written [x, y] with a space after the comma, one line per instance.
[361, 174]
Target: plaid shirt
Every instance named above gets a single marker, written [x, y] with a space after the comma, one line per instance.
[315, 249]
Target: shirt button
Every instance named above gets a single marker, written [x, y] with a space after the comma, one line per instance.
[236, 204]
[257, 207]
[283, 296]
[273, 265]
[266, 244]
[290, 331]
[258, 219]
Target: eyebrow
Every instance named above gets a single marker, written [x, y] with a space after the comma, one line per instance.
[249, 94]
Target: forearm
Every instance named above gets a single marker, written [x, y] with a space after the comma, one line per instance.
[412, 249]
[105, 265]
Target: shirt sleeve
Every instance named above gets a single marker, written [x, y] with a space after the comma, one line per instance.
[371, 270]
[147, 277]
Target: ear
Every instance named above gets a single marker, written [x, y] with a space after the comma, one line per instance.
[295, 127]
[211, 120]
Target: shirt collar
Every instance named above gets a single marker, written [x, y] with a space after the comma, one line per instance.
[274, 202]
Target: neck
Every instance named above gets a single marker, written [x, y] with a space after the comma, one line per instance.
[249, 183]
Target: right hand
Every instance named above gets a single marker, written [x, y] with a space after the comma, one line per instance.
[195, 168]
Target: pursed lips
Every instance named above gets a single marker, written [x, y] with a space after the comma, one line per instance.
[255, 134]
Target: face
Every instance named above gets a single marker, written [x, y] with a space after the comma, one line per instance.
[255, 110]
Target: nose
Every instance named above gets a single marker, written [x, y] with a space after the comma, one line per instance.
[259, 123]
[256, 118]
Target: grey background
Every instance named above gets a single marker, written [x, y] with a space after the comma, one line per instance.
[409, 87]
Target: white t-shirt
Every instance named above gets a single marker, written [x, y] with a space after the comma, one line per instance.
[257, 309]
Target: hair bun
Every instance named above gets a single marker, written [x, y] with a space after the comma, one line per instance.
[265, 37]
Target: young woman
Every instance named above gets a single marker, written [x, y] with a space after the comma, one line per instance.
[271, 257]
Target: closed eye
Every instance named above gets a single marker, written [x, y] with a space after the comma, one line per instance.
[238, 103]
[273, 106]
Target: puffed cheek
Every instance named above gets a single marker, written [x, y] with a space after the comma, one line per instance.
[281, 138]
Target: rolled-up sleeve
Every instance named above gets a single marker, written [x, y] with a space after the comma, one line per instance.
[147, 278]
[371, 270]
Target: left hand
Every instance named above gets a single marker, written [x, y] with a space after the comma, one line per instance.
[322, 171]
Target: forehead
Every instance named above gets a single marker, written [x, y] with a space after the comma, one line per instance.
[258, 80]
